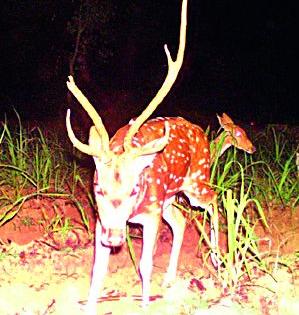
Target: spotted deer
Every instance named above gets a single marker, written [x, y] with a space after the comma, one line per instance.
[138, 173]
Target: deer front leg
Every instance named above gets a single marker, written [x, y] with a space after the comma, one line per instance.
[99, 271]
[212, 208]
[150, 229]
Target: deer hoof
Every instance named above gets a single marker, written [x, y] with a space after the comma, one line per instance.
[90, 310]
[145, 303]
[168, 280]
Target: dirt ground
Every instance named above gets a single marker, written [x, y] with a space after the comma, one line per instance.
[46, 272]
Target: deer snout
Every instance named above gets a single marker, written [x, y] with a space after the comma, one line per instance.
[113, 237]
[252, 149]
[116, 203]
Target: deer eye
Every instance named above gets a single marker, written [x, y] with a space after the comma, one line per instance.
[99, 192]
[238, 133]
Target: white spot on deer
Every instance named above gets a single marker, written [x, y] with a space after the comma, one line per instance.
[205, 150]
[206, 166]
[201, 161]
[158, 181]
[117, 148]
[204, 191]
[202, 177]
[152, 198]
[165, 186]
[149, 180]
[180, 146]
[186, 160]
[135, 143]
[197, 139]
[196, 174]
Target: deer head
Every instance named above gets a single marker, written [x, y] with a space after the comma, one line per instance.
[119, 183]
[235, 135]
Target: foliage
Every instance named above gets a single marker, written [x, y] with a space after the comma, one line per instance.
[275, 176]
[270, 174]
[34, 165]
[61, 225]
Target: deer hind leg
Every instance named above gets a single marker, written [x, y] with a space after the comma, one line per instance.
[212, 209]
[174, 217]
[214, 233]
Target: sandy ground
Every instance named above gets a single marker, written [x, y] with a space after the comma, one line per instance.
[43, 274]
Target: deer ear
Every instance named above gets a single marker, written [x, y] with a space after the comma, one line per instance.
[157, 144]
[144, 161]
[219, 119]
[154, 146]
[94, 139]
[225, 122]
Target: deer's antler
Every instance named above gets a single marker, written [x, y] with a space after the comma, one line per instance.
[94, 117]
[173, 70]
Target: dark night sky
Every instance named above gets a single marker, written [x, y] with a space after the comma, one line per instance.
[240, 58]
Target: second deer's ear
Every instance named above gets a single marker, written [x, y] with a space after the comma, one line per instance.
[225, 121]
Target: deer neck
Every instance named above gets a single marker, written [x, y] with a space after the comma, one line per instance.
[225, 139]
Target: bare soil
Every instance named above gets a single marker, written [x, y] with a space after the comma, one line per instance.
[47, 272]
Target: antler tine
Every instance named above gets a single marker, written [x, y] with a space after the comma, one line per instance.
[85, 148]
[92, 114]
[173, 70]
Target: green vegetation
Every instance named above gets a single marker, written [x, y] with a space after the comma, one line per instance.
[276, 178]
[247, 187]
[34, 165]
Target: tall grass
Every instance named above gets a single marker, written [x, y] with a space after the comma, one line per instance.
[275, 178]
[36, 165]
[33, 165]
[234, 188]
[249, 181]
